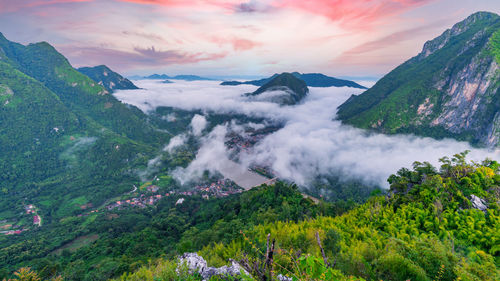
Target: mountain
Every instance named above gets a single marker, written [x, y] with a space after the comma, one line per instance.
[311, 79]
[63, 136]
[190, 78]
[177, 77]
[107, 78]
[284, 89]
[450, 89]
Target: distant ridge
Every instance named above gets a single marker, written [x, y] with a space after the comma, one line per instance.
[166, 77]
[311, 80]
[106, 77]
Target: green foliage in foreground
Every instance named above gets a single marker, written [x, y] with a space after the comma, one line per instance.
[425, 230]
[130, 238]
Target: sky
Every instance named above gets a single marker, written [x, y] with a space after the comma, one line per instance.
[362, 38]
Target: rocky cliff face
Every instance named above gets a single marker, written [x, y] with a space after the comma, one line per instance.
[450, 89]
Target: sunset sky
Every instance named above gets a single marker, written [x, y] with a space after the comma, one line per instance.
[231, 37]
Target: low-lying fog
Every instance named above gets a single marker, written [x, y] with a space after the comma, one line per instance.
[311, 142]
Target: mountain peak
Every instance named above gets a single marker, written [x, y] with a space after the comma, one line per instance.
[478, 20]
[106, 77]
[284, 88]
[450, 89]
[311, 79]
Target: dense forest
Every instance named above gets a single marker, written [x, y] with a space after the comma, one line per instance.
[434, 224]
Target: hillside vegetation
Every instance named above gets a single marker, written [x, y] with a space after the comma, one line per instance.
[428, 228]
[435, 224]
[450, 89]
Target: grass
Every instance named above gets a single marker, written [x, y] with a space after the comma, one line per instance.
[82, 200]
[89, 220]
[77, 244]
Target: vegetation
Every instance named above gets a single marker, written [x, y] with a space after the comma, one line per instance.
[311, 79]
[73, 148]
[426, 229]
[106, 77]
[297, 87]
[411, 97]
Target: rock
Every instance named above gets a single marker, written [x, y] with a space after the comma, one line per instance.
[283, 278]
[180, 201]
[195, 263]
[478, 203]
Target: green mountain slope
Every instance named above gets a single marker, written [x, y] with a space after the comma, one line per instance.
[106, 77]
[290, 90]
[451, 89]
[76, 90]
[63, 136]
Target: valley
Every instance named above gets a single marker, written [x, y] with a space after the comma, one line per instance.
[228, 163]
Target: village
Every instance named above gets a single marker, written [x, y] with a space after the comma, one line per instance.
[31, 211]
[216, 189]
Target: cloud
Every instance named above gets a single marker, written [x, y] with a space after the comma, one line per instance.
[140, 57]
[311, 143]
[253, 6]
[238, 44]
[175, 142]
[353, 13]
[391, 39]
[210, 157]
[7, 6]
[198, 124]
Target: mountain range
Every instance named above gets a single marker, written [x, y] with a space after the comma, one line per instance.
[450, 89]
[311, 80]
[176, 77]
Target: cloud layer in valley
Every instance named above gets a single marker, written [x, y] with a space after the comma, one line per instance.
[310, 143]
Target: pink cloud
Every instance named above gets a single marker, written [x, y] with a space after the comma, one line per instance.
[238, 44]
[139, 58]
[12, 6]
[233, 6]
[353, 13]
[392, 39]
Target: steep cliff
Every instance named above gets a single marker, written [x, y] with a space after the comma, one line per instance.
[450, 89]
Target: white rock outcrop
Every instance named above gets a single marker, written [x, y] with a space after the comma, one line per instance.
[195, 263]
[478, 203]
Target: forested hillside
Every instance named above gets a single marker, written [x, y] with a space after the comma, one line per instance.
[434, 224]
[65, 142]
[450, 89]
